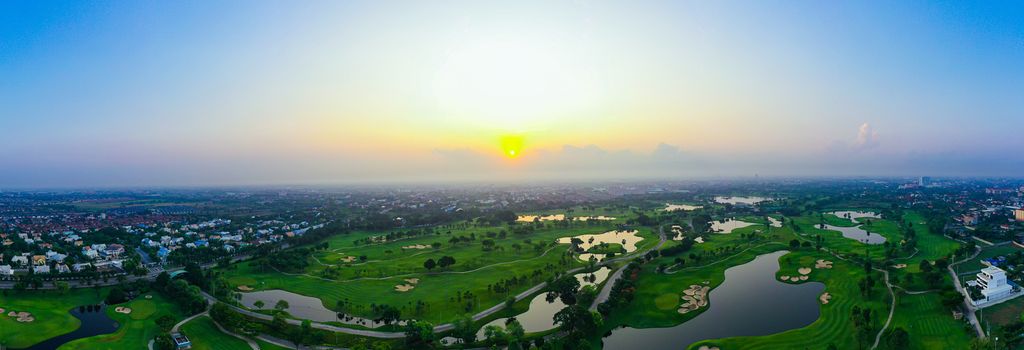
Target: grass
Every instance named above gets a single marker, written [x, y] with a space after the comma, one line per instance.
[205, 336]
[1003, 313]
[50, 310]
[986, 253]
[268, 346]
[930, 325]
[136, 329]
[372, 282]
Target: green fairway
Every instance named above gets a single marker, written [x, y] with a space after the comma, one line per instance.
[930, 325]
[136, 329]
[205, 336]
[50, 311]
[333, 277]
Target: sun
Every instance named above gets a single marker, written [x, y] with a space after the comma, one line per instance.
[511, 145]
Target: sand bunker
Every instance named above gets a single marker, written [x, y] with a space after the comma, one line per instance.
[404, 287]
[804, 270]
[784, 278]
[123, 310]
[243, 288]
[694, 298]
[825, 297]
[2, 310]
[23, 317]
[151, 297]
[705, 347]
[899, 266]
[699, 240]
[803, 278]
[823, 264]
[418, 246]
[348, 259]
[412, 280]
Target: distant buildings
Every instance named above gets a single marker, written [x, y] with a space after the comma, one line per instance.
[924, 181]
[1018, 214]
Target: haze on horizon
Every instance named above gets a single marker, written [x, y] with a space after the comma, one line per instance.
[264, 92]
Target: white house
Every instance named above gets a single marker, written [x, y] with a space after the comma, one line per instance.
[20, 260]
[6, 270]
[993, 284]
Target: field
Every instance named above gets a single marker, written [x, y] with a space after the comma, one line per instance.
[986, 253]
[339, 274]
[929, 324]
[136, 329]
[50, 310]
[205, 336]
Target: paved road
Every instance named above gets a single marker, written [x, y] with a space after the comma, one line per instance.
[971, 317]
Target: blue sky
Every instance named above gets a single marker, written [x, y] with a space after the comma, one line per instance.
[270, 92]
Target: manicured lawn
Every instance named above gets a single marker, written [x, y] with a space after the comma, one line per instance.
[986, 253]
[268, 346]
[388, 264]
[205, 336]
[136, 329]
[50, 310]
[930, 325]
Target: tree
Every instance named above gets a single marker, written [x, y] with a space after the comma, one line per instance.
[165, 322]
[429, 264]
[419, 334]
[494, 334]
[258, 304]
[281, 305]
[163, 342]
[446, 261]
[62, 287]
[464, 330]
[898, 338]
[116, 296]
[515, 330]
[794, 244]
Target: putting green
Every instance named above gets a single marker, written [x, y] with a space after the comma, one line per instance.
[667, 301]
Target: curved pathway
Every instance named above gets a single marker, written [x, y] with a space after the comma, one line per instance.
[606, 290]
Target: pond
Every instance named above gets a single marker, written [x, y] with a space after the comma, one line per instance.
[750, 302]
[559, 217]
[740, 200]
[858, 234]
[728, 225]
[628, 240]
[94, 322]
[683, 207]
[854, 215]
[540, 316]
[303, 307]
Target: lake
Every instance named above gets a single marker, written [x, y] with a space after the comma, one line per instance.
[750, 302]
[628, 240]
[740, 200]
[858, 234]
[94, 322]
[854, 215]
[728, 225]
[683, 207]
[303, 307]
[540, 316]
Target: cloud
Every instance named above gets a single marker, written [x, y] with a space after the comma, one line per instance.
[867, 137]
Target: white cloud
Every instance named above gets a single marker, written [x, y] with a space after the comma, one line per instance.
[867, 137]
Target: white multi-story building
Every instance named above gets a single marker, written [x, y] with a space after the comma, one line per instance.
[993, 284]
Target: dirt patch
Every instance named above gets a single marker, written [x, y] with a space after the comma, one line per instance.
[404, 287]
[825, 297]
[123, 310]
[822, 264]
[418, 246]
[245, 288]
[804, 270]
[412, 280]
[694, 298]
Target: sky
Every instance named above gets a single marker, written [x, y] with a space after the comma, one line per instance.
[201, 93]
